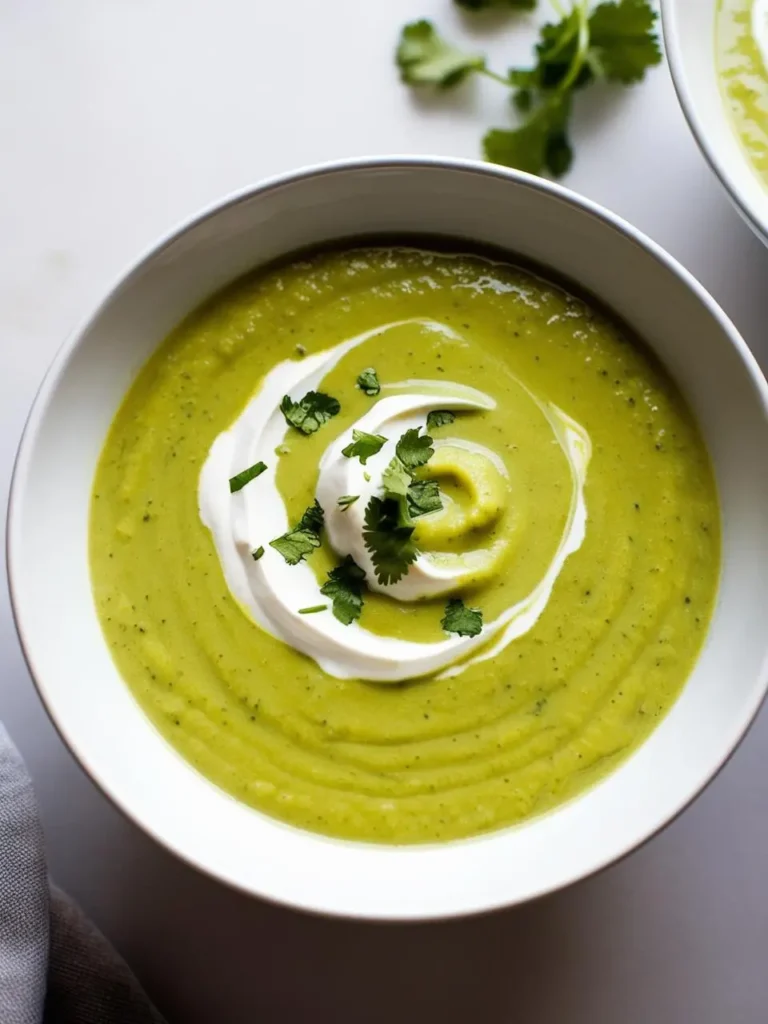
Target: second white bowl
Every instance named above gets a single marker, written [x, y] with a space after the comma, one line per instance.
[689, 39]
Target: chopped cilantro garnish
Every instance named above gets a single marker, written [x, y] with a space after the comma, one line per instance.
[256, 555]
[363, 445]
[302, 540]
[439, 418]
[237, 482]
[313, 518]
[462, 620]
[396, 479]
[414, 497]
[346, 500]
[368, 382]
[414, 450]
[295, 545]
[345, 587]
[614, 42]
[311, 412]
[388, 541]
[314, 608]
[423, 498]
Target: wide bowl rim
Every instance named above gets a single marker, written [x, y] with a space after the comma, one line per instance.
[69, 346]
[690, 107]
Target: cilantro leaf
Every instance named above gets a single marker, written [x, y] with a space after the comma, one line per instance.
[414, 450]
[560, 52]
[622, 39]
[462, 620]
[413, 498]
[423, 497]
[311, 412]
[439, 418]
[424, 58]
[345, 587]
[368, 382]
[363, 446]
[482, 5]
[256, 555]
[396, 479]
[237, 482]
[302, 540]
[541, 143]
[346, 500]
[295, 545]
[313, 518]
[389, 543]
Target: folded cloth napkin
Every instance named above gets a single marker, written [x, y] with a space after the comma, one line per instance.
[55, 967]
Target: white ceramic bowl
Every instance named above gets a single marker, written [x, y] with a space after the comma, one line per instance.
[95, 712]
[689, 40]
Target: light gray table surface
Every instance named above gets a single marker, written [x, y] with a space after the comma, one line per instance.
[118, 118]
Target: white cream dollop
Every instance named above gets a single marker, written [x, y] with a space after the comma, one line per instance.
[272, 592]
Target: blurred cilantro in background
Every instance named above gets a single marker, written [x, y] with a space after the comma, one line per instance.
[613, 41]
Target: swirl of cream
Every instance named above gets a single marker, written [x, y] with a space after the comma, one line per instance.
[272, 592]
[430, 575]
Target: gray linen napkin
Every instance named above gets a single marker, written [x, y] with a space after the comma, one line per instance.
[55, 967]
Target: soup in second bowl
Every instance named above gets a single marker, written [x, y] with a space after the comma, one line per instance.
[403, 545]
[742, 63]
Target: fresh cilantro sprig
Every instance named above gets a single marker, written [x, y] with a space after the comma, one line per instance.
[614, 42]
[345, 588]
[389, 526]
[363, 446]
[311, 412]
[462, 620]
[302, 540]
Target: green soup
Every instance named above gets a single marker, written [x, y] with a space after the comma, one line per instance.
[446, 755]
[743, 80]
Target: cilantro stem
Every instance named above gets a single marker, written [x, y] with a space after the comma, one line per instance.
[581, 31]
[495, 77]
[579, 57]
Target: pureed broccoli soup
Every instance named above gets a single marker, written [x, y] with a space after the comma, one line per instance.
[403, 545]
